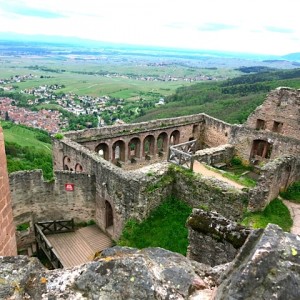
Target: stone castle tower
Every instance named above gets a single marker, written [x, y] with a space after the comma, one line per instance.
[7, 228]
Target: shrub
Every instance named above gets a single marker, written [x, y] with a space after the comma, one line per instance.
[59, 136]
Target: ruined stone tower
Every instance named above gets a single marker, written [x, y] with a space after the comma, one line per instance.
[7, 228]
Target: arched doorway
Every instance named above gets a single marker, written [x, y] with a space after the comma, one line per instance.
[103, 150]
[109, 217]
[174, 137]
[134, 147]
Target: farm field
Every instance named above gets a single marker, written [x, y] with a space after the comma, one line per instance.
[96, 77]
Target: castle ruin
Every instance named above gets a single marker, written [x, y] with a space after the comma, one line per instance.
[115, 173]
[108, 174]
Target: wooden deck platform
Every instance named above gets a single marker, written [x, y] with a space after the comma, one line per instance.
[75, 248]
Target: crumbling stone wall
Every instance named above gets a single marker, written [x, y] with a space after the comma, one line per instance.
[216, 132]
[275, 176]
[215, 155]
[279, 113]
[210, 194]
[7, 228]
[34, 199]
[242, 139]
[213, 239]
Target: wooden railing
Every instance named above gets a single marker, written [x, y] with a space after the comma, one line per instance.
[51, 227]
[183, 154]
[60, 226]
[47, 248]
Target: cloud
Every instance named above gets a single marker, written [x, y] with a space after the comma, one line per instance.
[215, 27]
[24, 10]
[279, 29]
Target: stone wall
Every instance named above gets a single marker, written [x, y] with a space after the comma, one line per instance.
[216, 132]
[34, 199]
[242, 139]
[210, 194]
[280, 113]
[216, 155]
[213, 239]
[119, 130]
[7, 228]
[275, 176]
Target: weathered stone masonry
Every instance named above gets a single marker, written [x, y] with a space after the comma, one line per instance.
[98, 163]
[7, 228]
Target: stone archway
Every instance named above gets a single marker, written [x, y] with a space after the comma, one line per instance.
[134, 148]
[174, 137]
[118, 151]
[162, 143]
[103, 150]
[109, 216]
[148, 145]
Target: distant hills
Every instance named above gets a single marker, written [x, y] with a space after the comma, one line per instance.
[74, 42]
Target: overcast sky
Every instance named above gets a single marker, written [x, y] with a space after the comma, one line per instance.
[253, 26]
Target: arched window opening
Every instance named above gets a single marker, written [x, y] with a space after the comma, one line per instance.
[174, 138]
[148, 145]
[134, 147]
[78, 168]
[119, 151]
[103, 150]
[66, 163]
[260, 150]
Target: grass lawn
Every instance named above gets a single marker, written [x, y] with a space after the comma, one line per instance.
[165, 227]
[276, 212]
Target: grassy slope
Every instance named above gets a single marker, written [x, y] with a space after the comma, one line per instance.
[24, 137]
[25, 151]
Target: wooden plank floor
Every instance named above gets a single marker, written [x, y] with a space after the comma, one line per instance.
[75, 248]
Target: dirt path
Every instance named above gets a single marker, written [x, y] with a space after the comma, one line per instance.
[200, 168]
[294, 209]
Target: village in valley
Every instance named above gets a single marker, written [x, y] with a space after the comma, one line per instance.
[52, 120]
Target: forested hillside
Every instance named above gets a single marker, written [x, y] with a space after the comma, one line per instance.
[231, 100]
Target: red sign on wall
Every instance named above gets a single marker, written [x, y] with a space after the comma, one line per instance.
[69, 187]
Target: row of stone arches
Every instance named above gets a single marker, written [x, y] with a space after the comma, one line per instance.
[68, 165]
[137, 148]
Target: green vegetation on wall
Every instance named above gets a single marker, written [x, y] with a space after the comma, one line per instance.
[276, 212]
[165, 227]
